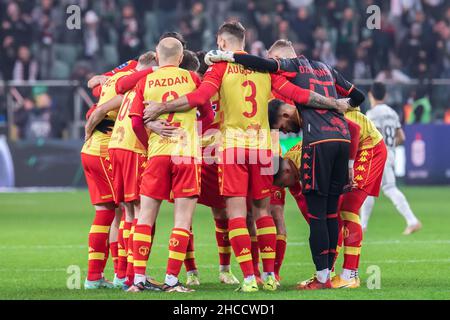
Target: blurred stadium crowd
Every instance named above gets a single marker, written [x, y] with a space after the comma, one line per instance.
[413, 42]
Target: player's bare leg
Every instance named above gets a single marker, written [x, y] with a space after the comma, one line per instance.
[240, 241]
[142, 240]
[179, 239]
[223, 243]
[267, 240]
[98, 246]
[277, 212]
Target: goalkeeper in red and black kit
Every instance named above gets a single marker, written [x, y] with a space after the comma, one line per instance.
[326, 147]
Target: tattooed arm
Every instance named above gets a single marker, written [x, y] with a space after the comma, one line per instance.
[321, 102]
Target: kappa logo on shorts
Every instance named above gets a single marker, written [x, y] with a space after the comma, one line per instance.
[143, 250]
[244, 251]
[173, 242]
[267, 249]
[361, 168]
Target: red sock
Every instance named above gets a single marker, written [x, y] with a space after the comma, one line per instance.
[267, 240]
[189, 261]
[114, 248]
[352, 240]
[130, 261]
[340, 241]
[279, 255]
[98, 243]
[351, 204]
[223, 243]
[255, 256]
[142, 239]
[241, 243]
[105, 260]
[178, 243]
[124, 233]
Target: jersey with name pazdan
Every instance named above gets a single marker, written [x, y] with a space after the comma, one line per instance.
[319, 125]
[166, 84]
[97, 145]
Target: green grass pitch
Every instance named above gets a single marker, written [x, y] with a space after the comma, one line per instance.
[42, 234]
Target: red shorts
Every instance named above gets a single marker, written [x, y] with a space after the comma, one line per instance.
[164, 174]
[369, 167]
[98, 172]
[128, 167]
[277, 196]
[210, 192]
[244, 172]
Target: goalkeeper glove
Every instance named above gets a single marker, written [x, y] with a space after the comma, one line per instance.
[217, 56]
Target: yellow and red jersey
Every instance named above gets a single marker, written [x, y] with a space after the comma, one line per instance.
[123, 136]
[97, 145]
[211, 135]
[243, 98]
[369, 134]
[166, 84]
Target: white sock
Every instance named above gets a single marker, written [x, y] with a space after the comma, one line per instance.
[195, 272]
[138, 278]
[323, 275]
[402, 205]
[249, 278]
[266, 274]
[348, 274]
[171, 280]
[223, 268]
[366, 211]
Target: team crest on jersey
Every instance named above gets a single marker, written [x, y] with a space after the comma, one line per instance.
[277, 195]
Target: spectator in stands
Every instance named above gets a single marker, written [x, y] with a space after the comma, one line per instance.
[193, 26]
[130, 34]
[47, 18]
[303, 26]
[26, 67]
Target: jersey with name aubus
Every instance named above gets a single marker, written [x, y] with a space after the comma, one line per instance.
[319, 125]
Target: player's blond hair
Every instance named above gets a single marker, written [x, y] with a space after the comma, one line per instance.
[147, 58]
[281, 44]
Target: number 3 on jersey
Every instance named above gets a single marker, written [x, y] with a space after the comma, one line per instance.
[251, 99]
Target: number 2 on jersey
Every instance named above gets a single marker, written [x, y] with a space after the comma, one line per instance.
[165, 98]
